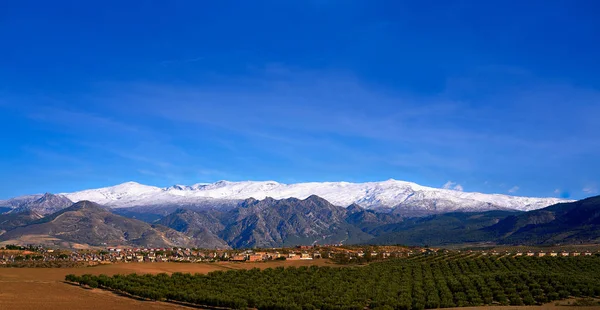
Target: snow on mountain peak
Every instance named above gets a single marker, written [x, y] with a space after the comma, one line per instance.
[124, 193]
[386, 194]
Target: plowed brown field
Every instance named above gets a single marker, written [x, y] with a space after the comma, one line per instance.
[43, 288]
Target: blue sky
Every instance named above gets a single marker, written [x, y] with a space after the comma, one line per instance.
[489, 96]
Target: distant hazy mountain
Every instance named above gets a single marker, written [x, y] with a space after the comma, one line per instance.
[88, 223]
[12, 203]
[404, 197]
[46, 204]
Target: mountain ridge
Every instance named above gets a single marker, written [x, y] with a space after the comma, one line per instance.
[47, 204]
[313, 220]
[88, 223]
[404, 197]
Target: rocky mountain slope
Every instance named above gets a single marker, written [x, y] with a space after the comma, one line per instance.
[202, 226]
[404, 197]
[441, 229]
[575, 222]
[288, 222]
[87, 223]
[12, 203]
[565, 223]
[46, 204]
[270, 223]
[13, 220]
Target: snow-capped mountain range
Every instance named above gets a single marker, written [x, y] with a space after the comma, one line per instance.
[390, 194]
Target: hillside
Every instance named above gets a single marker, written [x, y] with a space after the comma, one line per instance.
[202, 226]
[90, 224]
[13, 220]
[575, 222]
[565, 223]
[313, 220]
[441, 229]
[270, 222]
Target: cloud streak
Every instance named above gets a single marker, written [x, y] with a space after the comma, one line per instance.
[513, 189]
[331, 121]
[590, 189]
[453, 186]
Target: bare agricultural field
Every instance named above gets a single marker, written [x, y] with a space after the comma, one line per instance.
[43, 288]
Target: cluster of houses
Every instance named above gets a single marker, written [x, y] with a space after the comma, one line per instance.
[116, 255]
[297, 253]
[532, 253]
[193, 255]
[564, 253]
[50, 255]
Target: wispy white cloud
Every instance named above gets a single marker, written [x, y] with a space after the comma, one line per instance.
[306, 117]
[49, 156]
[513, 189]
[339, 103]
[453, 185]
[83, 121]
[282, 110]
[590, 189]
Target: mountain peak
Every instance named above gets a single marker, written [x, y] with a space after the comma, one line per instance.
[388, 194]
[130, 183]
[46, 204]
[317, 199]
[354, 208]
[89, 223]
[86, 205]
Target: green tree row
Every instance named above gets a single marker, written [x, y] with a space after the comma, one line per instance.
[422, 282]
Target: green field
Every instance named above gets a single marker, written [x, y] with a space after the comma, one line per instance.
[420, 282]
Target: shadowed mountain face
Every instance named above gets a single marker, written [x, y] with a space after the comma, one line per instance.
[89, 223]
[440, 229]
[14, 220]
[564, 223]
[202, 226]
[575, 222]
[270, 222]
